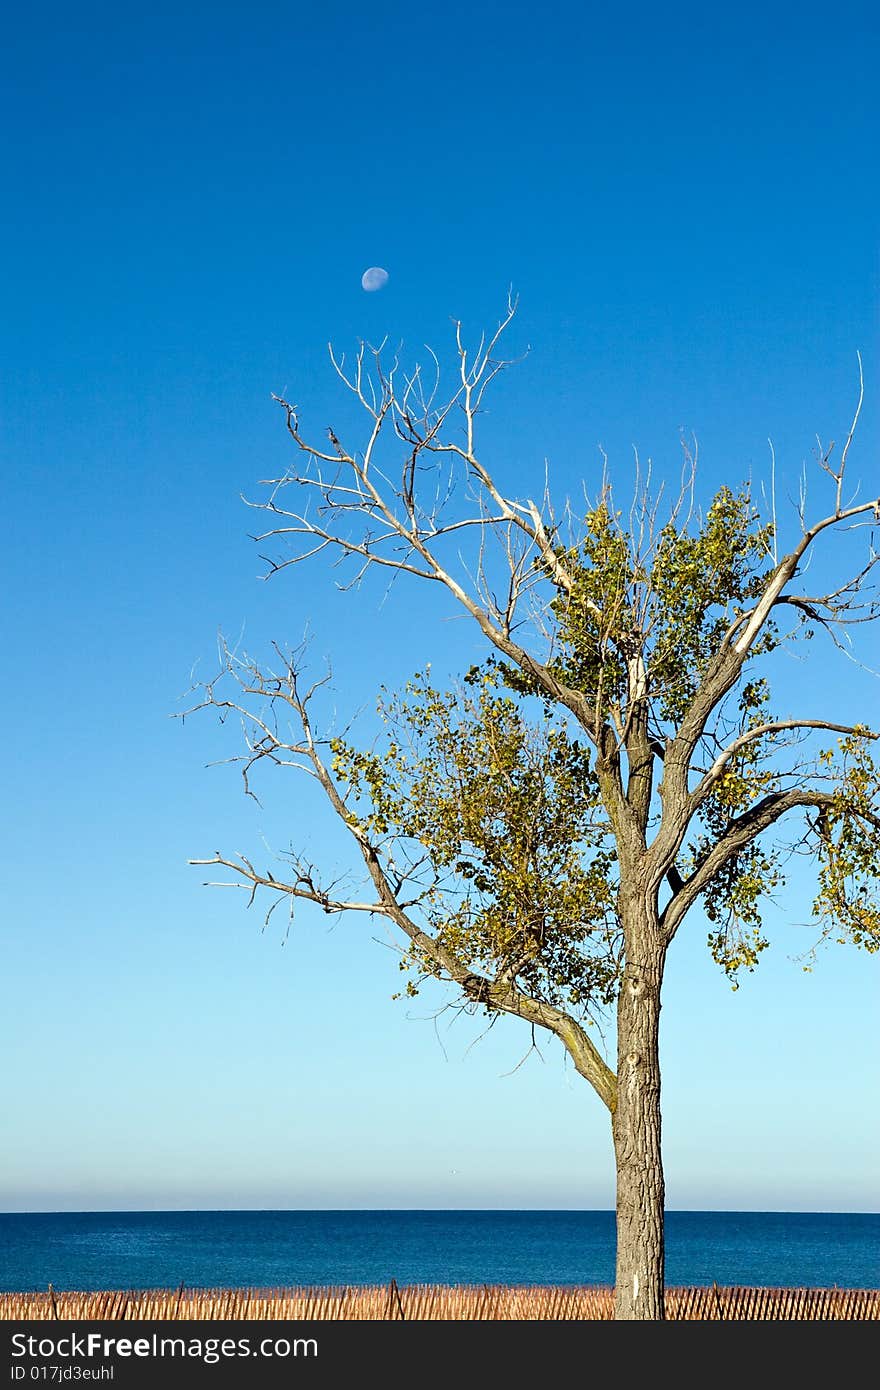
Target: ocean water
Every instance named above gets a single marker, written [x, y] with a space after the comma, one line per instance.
[95, 1250]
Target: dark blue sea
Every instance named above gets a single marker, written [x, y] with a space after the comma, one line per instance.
[125, 1250]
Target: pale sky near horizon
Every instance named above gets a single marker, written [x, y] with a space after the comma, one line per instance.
[686, 205]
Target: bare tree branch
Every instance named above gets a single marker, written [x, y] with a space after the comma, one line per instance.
[741, 832]
[761, 731]
[500, 994]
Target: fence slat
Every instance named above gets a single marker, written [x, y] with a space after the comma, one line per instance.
[432, 1302]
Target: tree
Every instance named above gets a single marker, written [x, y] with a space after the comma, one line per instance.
[539, 834]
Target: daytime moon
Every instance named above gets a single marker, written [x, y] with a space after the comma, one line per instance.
[374, 278]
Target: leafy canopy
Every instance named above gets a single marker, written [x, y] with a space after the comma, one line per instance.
[506, 816]
[490, 794]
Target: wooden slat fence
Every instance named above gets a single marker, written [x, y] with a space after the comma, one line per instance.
[419, 1302]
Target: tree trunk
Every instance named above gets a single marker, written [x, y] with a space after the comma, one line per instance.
[636, 1131]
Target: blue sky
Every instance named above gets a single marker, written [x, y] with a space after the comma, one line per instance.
[685, 202]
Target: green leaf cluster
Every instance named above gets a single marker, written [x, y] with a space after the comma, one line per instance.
[847, 838]
[505, 812]
[668, 600]
[699, 584]
[732, 900]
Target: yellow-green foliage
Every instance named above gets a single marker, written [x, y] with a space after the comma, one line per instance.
[732, 901]
[670, 604]
[507, 813]
[848, 844]
[698, 584]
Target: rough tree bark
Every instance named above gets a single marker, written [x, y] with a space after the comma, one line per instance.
[635, 1124]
